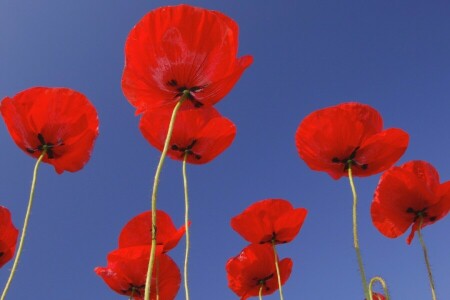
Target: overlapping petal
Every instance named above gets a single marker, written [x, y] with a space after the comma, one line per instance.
[177, 48]
[202, 133]
[407, 194]
[254, 268]
[8, 236]
[328, 139]
[60, 119]
[138, 231]
[270, 220]
[126, 272]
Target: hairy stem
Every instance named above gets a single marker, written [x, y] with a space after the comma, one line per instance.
[25, 225]
[355, 236]
[383, 285]
[278, 270]
[154, 194]
[427, 262]
[186, 224]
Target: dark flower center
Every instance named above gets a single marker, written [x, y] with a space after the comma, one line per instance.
[273, 239]
[1, 254]
[420, 214]
[134, 290]
[188, 92]
[262, 282]
[350, 161]
[187, 150]
[45, 145]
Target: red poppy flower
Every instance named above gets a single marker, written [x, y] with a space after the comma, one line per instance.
[333, 138]
[59, 119]
[181, 48]
[407, 194]
[269, 220]
[202, 133]
[127, 270]
[8, 236]
[138, 231]
[255, 267]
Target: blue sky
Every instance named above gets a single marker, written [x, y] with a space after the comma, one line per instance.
[393, 55]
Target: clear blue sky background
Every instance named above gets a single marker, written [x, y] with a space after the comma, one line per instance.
[393, 55]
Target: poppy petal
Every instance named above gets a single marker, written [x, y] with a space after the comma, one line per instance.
[380, 151]
[269, 220]
[137, 231]
[127, 270]
[398, 194]
[333, 138]
[255, 267]
[181, 47]
[8, 236]
[62, 119]
[203, 133]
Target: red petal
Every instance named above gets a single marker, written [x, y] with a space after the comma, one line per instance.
[425, 172]
[397, 192]
[208, 132]
[8, 236]
[268, 219]
[334, 133]
[380, 151]
[185, 45]
[138, 230]
[254, 263]
[127, 268]
[289, 224]
[63, 117]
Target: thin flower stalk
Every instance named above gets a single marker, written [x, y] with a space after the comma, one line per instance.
[427, 262]
[186, 224]
[277, 267]
[355, 234]
[260, 291]
[25, 224]
[155, 191]
[383, 285]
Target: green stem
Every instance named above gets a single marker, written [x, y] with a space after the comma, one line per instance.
[355, 235]
[155, 191]
[186, 224]
[132, 294]
[25, 225]
[383, 285]
[260, 291]
[278, 270]
[427, 262]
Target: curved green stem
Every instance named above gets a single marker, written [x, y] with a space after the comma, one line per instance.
[383, 285]
[155, 192]
[132, 294]
[278, 270]
[186, 224]
[427, 262]
[260, 291]
[25, 225]
[355, 235]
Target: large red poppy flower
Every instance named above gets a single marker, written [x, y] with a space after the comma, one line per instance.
[181, 48]
[349, 134]
[202, 133]
[270, 220]
[407, 194]
[138, 231]
[126, 272]
[255, 267]
[59, 119]
[8, 236]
